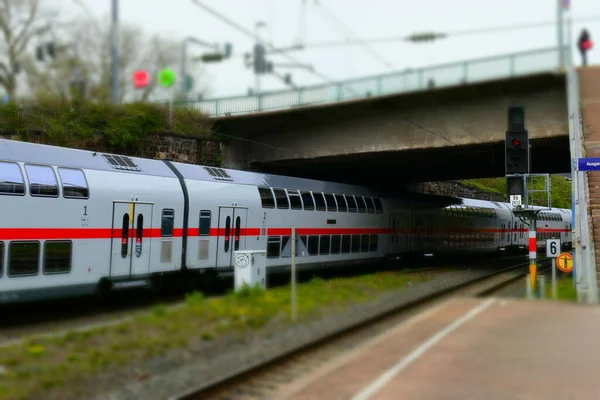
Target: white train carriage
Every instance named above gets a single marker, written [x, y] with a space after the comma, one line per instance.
[71, 220]
[233, 210]
[75, 220]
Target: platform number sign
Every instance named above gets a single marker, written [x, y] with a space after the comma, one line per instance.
[515, 199]
[552, 248]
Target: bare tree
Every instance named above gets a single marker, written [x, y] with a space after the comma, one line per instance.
[20, 22]
[85, 54]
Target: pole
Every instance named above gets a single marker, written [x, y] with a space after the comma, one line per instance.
[528, 286]
[115, 52]
[293, 280]
[554, 292]
[532, 252]
[559, 32]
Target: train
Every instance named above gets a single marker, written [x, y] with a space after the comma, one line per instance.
[76, 222]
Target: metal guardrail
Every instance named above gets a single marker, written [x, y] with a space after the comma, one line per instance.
[445, 75]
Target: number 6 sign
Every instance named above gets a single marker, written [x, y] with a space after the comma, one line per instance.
[552, 248]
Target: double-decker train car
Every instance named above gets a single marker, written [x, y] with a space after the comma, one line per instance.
[76, 221]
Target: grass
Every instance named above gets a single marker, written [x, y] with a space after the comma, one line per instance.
[77, 123]
[560, 189]
[42, 363]
[565, 291]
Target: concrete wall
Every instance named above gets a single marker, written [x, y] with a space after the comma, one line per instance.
[423, 126]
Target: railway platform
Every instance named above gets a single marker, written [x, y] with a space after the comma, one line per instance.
[470, 349]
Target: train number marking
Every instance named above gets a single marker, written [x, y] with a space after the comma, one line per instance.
[85, 210]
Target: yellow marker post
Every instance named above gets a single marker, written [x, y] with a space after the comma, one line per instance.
[532, 273]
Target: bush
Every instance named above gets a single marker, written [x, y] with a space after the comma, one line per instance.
[125, 126]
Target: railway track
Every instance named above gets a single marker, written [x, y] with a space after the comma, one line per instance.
[262, 381]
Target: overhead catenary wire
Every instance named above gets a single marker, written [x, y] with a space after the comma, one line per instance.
[257, 38]
[467, 32]
[392, 39]
[359, 41]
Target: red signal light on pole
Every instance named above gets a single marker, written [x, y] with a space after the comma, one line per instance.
[516, 142]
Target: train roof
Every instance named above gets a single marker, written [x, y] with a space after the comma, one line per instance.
[12, 150]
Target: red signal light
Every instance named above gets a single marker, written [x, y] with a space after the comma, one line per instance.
[516, 142]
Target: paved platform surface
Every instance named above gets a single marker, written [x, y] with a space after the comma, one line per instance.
[489, 349]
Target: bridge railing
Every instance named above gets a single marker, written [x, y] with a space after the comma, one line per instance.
[445, 75]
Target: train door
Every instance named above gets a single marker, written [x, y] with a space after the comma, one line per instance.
[232, 237]
[130, 247]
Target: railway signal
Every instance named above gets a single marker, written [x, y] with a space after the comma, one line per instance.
[516, 143]
[516, 151]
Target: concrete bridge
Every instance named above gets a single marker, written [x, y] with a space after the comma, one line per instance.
[437, 123]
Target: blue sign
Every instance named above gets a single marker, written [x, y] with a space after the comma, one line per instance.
[589, 164]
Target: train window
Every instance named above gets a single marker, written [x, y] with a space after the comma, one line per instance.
[168, 222]
[362, 206]
[227, 233]
[204, 225]
[378, 205]
[373, 243]
[1, 258]
[11, 179]
[336, 244]
[355, 243]
[370, 205]
[341, 202]
[23, 258]
[304, 240]
[319, 201]
[74, 184]
[282, 200]
[295, 202]
[238, 228]
[352, 207]
[125, 236]
[364, 243]
[57, 257]
[266, 197]
[346, 241]
[42, 181]
[313, 245]
[308, 201]
[330, 200]
[324, 244]
[139, 235]
[273, 246]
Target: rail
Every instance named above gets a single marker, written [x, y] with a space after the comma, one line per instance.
[209, 389]
[406, 81]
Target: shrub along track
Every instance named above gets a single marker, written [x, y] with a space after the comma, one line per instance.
[261, 381]
[20, 320]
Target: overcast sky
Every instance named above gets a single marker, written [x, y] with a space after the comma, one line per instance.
[366, 19]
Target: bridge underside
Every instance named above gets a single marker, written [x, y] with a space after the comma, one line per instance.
[548, 155]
